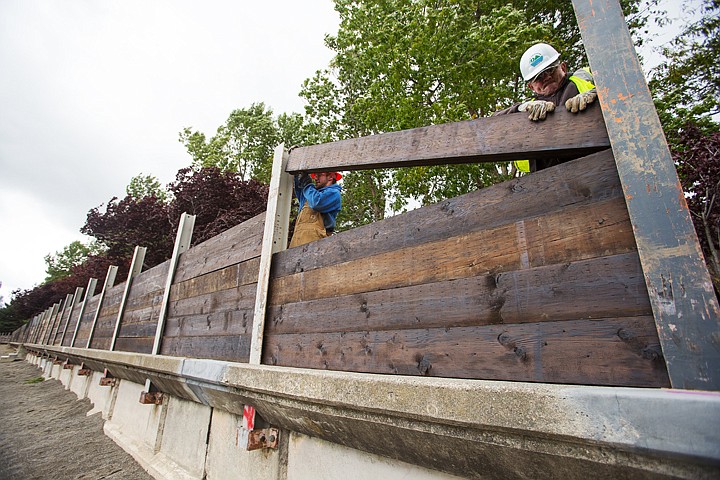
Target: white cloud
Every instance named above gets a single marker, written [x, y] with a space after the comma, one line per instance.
[94, 93]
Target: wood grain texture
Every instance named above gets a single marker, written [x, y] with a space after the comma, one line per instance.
[596, 288]
[492, 139]
[232, 348]
[611, 351]
[235, 245]
[583, 181]
[86, 322]
[569, 235]
[238, 298]
[72, 322]
[105, 325]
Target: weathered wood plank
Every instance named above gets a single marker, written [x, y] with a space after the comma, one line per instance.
[604, 287]
[587, 180]
[146, 329]
[238, 298]
[235, 245]
[233, 348]
[135, 344]
[232, 276]
[86, 321]
[569, 235]
[493, 139]
[619, 352]
[72, 322]
[233, 322]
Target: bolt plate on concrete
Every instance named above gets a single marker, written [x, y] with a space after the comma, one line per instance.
[266, 438]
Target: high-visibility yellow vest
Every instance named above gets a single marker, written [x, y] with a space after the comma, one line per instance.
[583, 85]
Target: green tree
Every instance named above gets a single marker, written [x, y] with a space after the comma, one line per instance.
[142, 186]
[686, 90]
[61, 264]
[686, 86]
[402, 65]
[244, 144]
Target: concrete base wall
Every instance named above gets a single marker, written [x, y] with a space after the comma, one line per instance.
[314, 459]
[226, 456]
[185, 440]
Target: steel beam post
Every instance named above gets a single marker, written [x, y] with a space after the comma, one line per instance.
[681, 293]
[275, 239]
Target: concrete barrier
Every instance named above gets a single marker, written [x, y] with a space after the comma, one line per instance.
[325, 421]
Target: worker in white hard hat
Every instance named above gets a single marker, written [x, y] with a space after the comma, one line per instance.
[548, 78]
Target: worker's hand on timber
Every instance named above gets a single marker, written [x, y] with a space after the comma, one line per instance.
[537, 109]
[581, 101]
[303, 180]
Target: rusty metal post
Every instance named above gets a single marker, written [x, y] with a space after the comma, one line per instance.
[681, 293]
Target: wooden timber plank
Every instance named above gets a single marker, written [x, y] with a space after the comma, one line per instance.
[143, 315]
[602, 287]
[233, 322]
[587, 180]
[235, 245]
[61, 326]
[243, 273]
[86, 321]
[238, 298]
[232, 348]
[616, 351]
[492, 139]
[146, 287]
[146, 329]
[105, 325]
[569, 235]
[135, 344]
[72, 321]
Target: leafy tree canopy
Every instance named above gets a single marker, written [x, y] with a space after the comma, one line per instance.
[686, 86]
[61, 263]
[401, 65]
[142, 186]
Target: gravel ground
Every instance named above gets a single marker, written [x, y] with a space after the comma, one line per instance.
[46, 434]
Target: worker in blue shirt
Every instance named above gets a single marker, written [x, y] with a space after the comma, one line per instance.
[320, 203]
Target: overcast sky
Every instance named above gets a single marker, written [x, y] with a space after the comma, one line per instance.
[93, 93]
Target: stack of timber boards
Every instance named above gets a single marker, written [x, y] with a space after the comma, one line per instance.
[142, 310]
[105, 325]
[212, 299]
[210, 306]
[536, 279]
[83, 330]
[72, 322]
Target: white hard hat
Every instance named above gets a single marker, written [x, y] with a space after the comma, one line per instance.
[536, 59]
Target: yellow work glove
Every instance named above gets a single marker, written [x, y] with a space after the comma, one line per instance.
[537, 109]
[581, 101]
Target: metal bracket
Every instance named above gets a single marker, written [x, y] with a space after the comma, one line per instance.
[255, 439]
[84, 371]
[57, 361]
[265, 438]
[67, 365]
[107, 379]
[151, 395]
[151, 398]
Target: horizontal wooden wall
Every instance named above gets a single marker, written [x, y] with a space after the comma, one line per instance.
[536, 279]
[211, 302]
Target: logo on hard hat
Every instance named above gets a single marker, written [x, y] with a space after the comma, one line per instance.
[536, 59]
